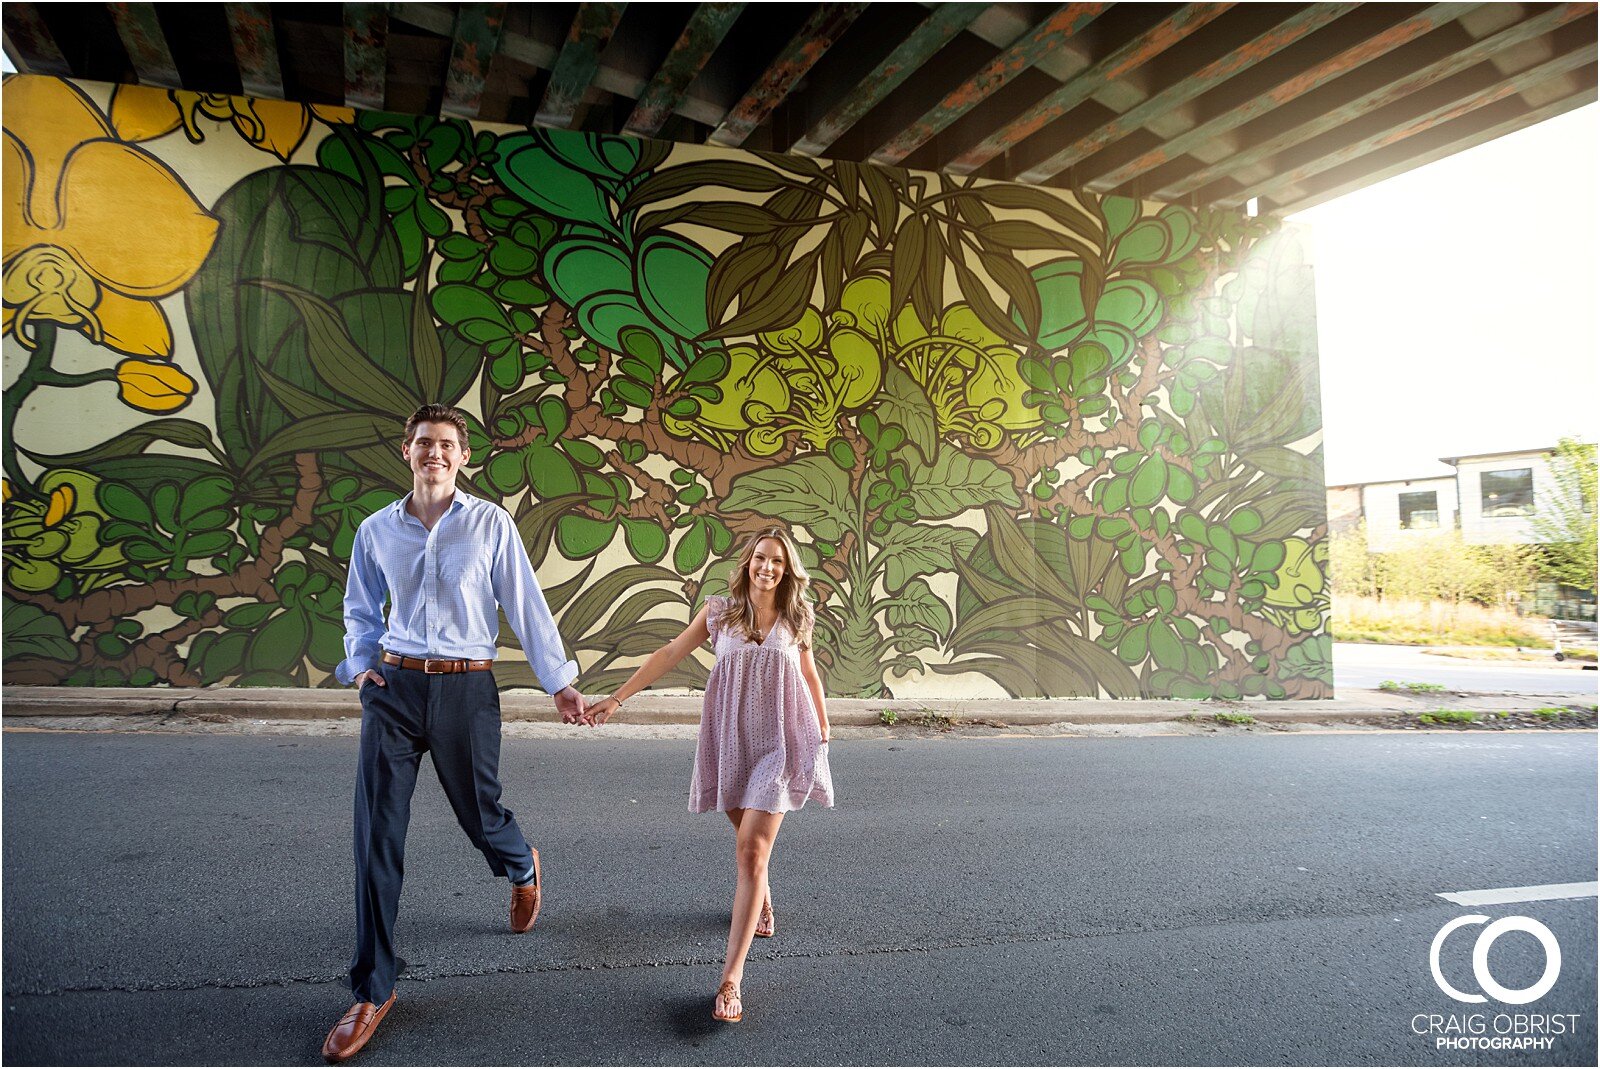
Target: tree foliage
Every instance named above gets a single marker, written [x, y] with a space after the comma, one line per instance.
[1564, 520]
[1438, 567]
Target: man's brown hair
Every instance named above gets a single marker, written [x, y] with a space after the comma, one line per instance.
[439, 414]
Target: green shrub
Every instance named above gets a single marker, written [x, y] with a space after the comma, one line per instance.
[1413, 622]
[1414, 688]
[1449, 716]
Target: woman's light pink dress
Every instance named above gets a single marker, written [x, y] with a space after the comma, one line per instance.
[760, 746]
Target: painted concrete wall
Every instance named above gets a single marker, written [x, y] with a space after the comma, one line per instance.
[1031, 444]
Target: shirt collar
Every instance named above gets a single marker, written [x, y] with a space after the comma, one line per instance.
[462, 500]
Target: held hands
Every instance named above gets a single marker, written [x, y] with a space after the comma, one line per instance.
[601, 710]
[570, 704]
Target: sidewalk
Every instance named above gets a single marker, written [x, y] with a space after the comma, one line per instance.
[648, 708]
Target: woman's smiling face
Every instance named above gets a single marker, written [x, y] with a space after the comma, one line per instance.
[766, 565]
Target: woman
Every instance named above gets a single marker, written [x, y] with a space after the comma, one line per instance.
[763, 747]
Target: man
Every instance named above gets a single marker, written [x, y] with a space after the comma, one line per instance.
[446, 561]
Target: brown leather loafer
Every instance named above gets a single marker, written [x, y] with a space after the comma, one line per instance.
[353, 1030]
[525, 900]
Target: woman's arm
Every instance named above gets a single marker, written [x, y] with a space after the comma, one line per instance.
[808, 669]
[657, 665]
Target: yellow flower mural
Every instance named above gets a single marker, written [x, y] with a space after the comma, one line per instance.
[826, 376]
[96, 231]
[969, 372]
[805, 377]
[153, 387]
[143, 113]
[1299, 591]
[658, 347]
[798, 379]
[748, 380]
[58, 533]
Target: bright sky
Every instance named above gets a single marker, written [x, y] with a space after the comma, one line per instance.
[1456, 305]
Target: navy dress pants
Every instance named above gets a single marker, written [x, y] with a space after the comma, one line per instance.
[456, 718]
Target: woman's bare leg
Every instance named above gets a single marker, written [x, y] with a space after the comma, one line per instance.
[734, 816]
[752, 850]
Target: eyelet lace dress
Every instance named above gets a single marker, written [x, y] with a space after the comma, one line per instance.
[760, 746]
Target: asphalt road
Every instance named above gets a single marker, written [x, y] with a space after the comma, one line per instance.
[1200, 900]
[1365, 666]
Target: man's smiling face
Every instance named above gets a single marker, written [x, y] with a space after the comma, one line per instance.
[435, 453]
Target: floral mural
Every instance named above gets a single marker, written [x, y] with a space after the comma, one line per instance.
[1032, 444]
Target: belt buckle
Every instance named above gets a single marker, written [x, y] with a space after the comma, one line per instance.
[435, 666]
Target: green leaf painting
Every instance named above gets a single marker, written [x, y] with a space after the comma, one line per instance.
[1029, 443]
[809, 492]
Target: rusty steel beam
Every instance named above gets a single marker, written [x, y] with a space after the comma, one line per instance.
[1412, 125]
[1460, 144]
[935, 31]
[1049, 35]
[541, 56]
[821, 29]
[366, 55]
[1334, 118]
[575, 67]
[146, 44]
[477, 39]
[255, 49]
[705, 30]
[1131, 56]
[30, 44]
[1213, 74]
[1312, 78]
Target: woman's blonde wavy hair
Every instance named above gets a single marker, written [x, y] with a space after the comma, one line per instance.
[790, 597]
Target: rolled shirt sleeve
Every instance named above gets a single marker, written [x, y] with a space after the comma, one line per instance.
[516, 588]
[364, 594]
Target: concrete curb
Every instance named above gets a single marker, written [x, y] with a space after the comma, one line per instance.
[534, 707]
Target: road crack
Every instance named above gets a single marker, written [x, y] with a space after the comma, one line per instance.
[995, 939]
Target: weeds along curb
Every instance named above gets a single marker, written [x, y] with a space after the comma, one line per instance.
[20, 703]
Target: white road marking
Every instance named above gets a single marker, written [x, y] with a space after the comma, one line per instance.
[1497, 896]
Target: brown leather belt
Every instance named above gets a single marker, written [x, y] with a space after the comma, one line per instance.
[435, 666]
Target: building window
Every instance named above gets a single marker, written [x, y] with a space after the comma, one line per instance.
[1419, 510]
[1507, 493]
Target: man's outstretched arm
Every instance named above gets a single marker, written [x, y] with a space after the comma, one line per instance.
[516, 588]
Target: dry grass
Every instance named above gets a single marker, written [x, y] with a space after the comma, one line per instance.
[1415, 623]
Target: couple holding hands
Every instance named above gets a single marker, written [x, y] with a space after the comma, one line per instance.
[447, 563]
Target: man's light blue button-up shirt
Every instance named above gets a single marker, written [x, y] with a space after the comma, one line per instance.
[444, 588]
